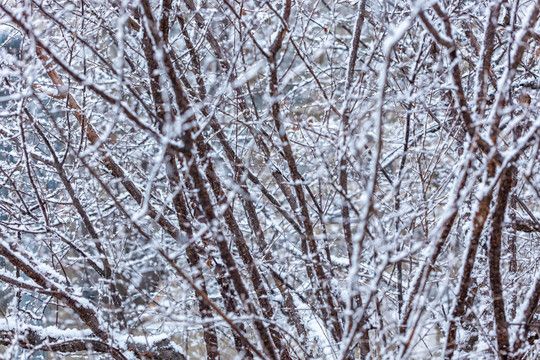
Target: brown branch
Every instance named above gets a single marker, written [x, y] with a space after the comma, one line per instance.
[247, 202]
[34, 338]
[343, 178]
[180, 205]
[309, 244]
[532, 305]
[460, 302]
[108, 161]
[87, 314]
[494, 259]
[210, 303]
[183, 104]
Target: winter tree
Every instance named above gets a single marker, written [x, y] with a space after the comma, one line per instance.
[285, 179]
